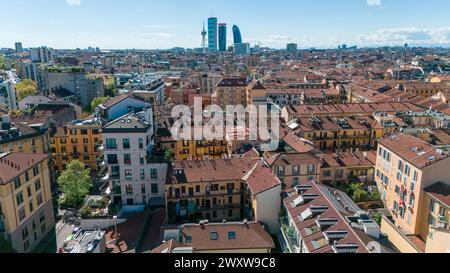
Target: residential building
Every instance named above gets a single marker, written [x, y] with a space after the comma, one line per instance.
[121, 105]
[42, 55]
[342, 168]
[26, 207]
[242, 49]
[18, 47]
[208, 189]
[318, 219]
[231, 91]
[15, 137]
[230, 237]
[405, 167]
[263, 196]
[137, 177]
[8, 90]
[149, 83]
[79, 140]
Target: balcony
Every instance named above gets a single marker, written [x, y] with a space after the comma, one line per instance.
[289, 236]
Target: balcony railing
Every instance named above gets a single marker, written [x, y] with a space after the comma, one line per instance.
[289, 235]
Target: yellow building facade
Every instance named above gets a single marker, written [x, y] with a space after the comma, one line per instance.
[79, 140]
[26, 209]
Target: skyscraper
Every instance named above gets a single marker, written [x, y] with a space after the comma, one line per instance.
[222, 37]
[237, 35]
[19, 47]
[212, 34]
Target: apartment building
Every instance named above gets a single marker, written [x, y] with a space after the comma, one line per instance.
[208, 189]
[199, 150]
[405, 167]
[205, 237]
[231, 91]
[317, 219]
[346, 167]
[331, 134]
[26, 208]
[136, 176]
[79, 140]
[15, 137]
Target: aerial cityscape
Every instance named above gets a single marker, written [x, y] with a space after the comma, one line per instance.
[220, 136]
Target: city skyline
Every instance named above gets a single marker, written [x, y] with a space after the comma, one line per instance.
[321, 24]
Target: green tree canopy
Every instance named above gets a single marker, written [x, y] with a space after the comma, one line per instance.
[97, 101]
[26, 88]
[2, 62]
[75, 183]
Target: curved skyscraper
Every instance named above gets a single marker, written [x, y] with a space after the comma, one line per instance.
[237, 35]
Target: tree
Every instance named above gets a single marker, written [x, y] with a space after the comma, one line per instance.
[26, 88]
[97, 101]
[168, 154]
[110, 87]
[75, 183]
[360, 195]
[2, 63]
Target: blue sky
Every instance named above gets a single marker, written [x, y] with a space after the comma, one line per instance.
[150, 24]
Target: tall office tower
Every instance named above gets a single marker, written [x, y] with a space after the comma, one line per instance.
[291, 48]
[212, 34]
[19, 47]
[237, 35]
[222, 37]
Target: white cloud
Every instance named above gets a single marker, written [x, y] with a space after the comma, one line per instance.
[412, 35]
[73, 2]
[374, 2]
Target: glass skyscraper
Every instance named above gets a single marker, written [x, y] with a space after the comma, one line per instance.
[222, 37]
[212, 34]
[237, 35]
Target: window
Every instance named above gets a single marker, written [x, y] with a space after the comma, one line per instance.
[142, 174]
[129, 188]
[22, 214]
[25, 233]
[155, 189]
[17, 183]
[214, 236]
[154, 174]
[188, 239]
[84, 132]
[143, 189]
[73, 132]
[327, 173]
[35, 170]
[214, 187]
[31, 206]
[339, 174]
[295, 181]
[37, 185]
[126, 143]
[112, 159]
[41, 217]
[141, 143]
[231, 235]
[311, 169]
[95, 131]
[115, 172]
[296, 170]
[197, 189]
[39, 199]
[128, 174]
[111, 143]
[407, 170]
[127, 159]
[19, 198]
[432, 206]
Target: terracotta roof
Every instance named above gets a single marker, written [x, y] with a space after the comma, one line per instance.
[14, 164]
[262, 179]
[440, 191]
[349, 159]
[414, 150]
[232, 82]
[246, 236]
